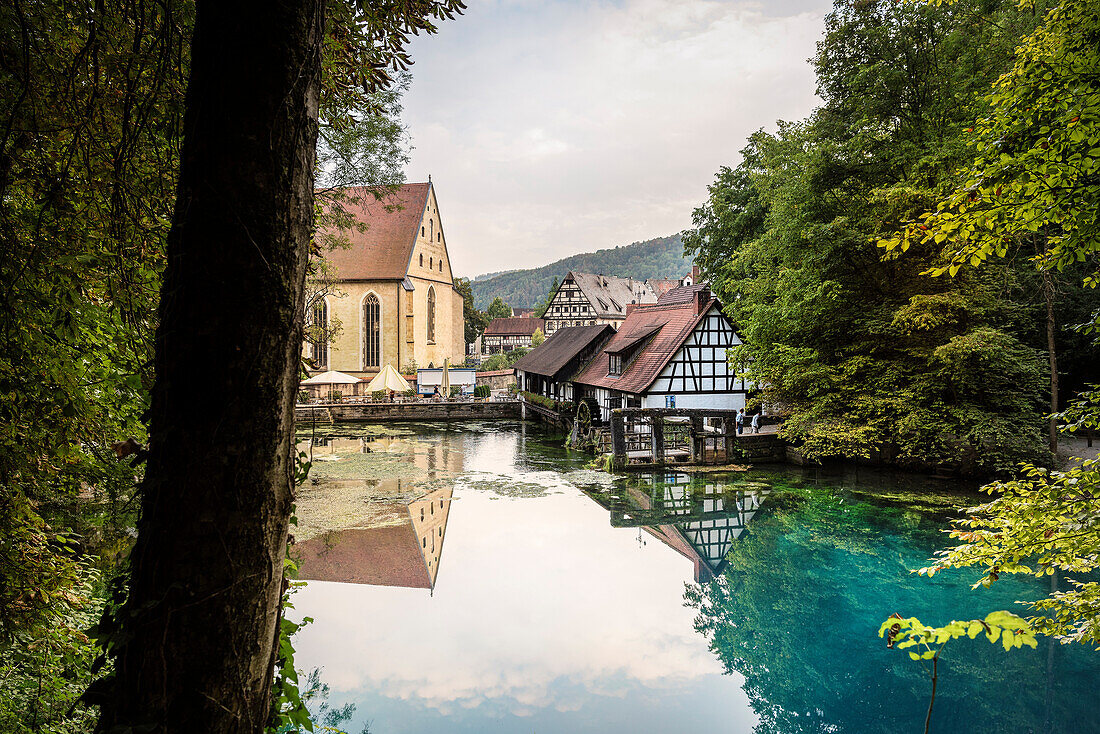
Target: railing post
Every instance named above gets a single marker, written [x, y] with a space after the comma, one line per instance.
[657, 438]
[730, 437]
[698, 441]
[618, 440]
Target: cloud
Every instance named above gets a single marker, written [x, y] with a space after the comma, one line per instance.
[555, 128]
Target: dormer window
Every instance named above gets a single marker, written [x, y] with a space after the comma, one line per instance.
[614, 364]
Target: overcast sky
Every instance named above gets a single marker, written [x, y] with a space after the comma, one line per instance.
[552, 128]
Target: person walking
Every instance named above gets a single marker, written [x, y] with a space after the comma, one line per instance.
[740, 421]
[756, 423]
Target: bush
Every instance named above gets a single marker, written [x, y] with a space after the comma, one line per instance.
[482, 391]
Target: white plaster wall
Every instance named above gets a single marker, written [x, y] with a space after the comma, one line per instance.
[720, 401]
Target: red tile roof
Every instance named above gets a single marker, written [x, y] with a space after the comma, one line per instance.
[387, 556]
[383, 251]
[661, 287]
[513, 326]
[670, 324]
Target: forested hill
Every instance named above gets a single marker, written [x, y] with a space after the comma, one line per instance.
[662, 257]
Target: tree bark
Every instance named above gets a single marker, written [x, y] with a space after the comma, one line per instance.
[196, 646]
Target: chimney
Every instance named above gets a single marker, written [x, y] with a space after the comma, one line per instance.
[695, 274]
[702, 298]
[630, 307]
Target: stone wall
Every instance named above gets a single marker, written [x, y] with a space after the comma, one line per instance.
[421, 411]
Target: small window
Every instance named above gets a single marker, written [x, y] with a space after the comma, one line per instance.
[439, 237]
[422, 259]
[441, 266]
[431, 263]
[422, 231]
[615, 364]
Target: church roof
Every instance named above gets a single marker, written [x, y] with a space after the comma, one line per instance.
[384, 249]
[609, 295]
[385, 556]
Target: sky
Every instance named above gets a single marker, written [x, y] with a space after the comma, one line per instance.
[554, 128]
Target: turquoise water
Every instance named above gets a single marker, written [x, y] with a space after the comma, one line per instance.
[565, 601]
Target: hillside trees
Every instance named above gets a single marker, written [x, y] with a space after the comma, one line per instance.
[474, 321]
[865, 354]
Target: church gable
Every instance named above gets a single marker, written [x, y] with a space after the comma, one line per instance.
[429, 259]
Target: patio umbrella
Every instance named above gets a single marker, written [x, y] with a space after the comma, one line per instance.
[445, 386]
[330, 378]
[388, 379]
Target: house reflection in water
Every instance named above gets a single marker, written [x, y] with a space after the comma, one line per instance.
[405, 553]
[699, 520]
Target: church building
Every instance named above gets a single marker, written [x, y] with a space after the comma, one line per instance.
[393, 298]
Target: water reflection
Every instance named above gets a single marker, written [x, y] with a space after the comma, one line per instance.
[405, 553]
[699, 519]
[557, 613]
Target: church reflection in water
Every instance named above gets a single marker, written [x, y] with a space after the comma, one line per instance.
[406, 547]
[700, 520]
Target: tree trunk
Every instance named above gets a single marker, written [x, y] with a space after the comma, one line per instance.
[1048, 295]
[196, 647]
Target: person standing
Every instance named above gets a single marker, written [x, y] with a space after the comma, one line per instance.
[740, 421]
[756, 423]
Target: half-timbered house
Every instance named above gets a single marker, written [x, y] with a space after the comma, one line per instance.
[669, 354]
[586, 299]
[547, 370]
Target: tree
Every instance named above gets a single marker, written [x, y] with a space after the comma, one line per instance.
[537, 338]
[196, 640]
[540, 308]
[1036, 155]
[474, 321]
[866, 356]
[498, 309]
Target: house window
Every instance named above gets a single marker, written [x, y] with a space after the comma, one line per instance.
[614, 364]
[431, 229]
[319, 333]
[431, 315]
[372, 332]
[439, 237]
[431, 263]
[441, 266]
[422, 259]
[422, 231]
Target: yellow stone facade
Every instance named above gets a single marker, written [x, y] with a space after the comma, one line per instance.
[404, 313]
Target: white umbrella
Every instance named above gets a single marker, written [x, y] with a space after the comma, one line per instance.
[330, 378]
[445, 387]
[388, 379]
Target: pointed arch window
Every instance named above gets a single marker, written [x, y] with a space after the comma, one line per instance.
[372, 332]
[318, 332]
[431, 315]
[422, 259]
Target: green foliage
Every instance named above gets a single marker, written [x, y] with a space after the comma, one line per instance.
[482, 391]
[1036, 166]
[1033, 186]
[662, 257]
[540, 308]
[865, 356]
[502, 361]
[1042, 524]
[498, 309]
[474, 321]
[537, 338]
[901, 633]
[47, 665]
